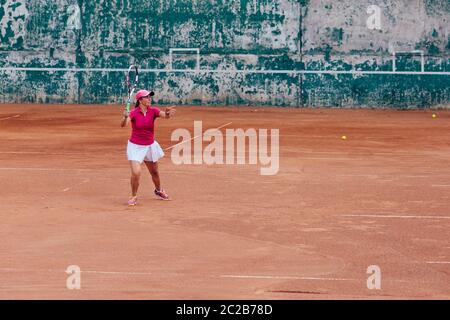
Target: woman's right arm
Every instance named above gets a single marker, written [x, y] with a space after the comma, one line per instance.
[125, 117]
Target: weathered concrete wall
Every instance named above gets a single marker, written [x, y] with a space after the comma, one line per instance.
[284, 46]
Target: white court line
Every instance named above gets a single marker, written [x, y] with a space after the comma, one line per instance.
[401, 217]
[409, 176]
[43, 152]
[365, 153]
[235, 71]
[153, 274]
[47, 169]
[118, 272]
[16, 116]
[127, 273]
[356, 157]
[82, 271]
[168, 148]
[381, 175]
[23, 152]
[359, 175]
[440, 185]
[285, 278]
[329, 158]
[58, 153]
[438, 262]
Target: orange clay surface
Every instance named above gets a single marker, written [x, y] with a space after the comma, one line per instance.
[336, 207]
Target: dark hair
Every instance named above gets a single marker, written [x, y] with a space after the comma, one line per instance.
[137, 104]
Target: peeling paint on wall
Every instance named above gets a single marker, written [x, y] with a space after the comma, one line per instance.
[269, 38]
[12, 22]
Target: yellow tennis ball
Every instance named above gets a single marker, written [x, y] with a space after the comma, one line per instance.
[434, 115]
[344, 137]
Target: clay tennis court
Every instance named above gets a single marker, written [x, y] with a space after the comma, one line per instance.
[336, 206]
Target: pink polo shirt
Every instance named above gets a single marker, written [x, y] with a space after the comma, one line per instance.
[142, 131]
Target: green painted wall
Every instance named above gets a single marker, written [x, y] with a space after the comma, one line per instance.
[278, 42]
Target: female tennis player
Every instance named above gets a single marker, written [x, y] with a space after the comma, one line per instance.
[142, 146]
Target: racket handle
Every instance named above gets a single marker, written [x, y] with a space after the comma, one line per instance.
[128, 107]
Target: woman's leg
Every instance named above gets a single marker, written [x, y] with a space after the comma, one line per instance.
[135, 176]
[153, 169]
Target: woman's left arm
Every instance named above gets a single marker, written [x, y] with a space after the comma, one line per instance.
[168, 113]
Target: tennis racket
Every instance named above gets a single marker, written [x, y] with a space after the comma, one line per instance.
[131, 81]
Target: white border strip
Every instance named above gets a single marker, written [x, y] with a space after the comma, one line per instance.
[295, 72]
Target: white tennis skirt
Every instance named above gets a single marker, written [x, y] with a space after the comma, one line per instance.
[136, 152]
